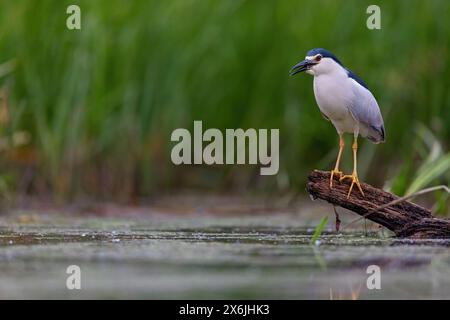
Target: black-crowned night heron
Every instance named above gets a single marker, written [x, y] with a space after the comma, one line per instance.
[345, 100]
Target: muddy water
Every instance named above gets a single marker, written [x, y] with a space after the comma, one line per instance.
[261, 256]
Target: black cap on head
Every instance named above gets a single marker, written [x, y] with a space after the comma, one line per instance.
[325, 53]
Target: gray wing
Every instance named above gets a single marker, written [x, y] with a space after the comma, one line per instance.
[366, 111]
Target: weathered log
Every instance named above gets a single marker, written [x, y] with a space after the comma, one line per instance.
[405, 219]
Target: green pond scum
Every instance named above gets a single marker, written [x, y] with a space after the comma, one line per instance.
[210, 257]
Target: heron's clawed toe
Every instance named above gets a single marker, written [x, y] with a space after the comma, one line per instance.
[334, 173]
[355, 180]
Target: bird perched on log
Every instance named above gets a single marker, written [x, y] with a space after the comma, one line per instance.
[345, 100]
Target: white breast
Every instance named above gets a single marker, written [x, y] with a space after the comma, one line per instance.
[334, 94]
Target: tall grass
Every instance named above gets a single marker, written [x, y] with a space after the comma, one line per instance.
[99, 104]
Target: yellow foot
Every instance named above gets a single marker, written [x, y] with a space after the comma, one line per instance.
[355, 180]
[334, 173]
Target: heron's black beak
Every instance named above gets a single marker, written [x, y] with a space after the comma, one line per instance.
[301, 66]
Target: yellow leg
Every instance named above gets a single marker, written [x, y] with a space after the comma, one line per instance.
[338, 160]
[354, 175]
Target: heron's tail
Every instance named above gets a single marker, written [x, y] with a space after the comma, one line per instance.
[376, 134]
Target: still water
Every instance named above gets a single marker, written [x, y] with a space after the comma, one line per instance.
[209, 257]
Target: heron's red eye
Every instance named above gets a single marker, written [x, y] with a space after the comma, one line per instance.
[318, 58]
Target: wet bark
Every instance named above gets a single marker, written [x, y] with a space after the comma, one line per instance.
[405, 219]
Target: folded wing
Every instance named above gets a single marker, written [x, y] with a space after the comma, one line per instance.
[366, 111]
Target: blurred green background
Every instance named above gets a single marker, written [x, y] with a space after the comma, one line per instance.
[90, 112]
